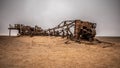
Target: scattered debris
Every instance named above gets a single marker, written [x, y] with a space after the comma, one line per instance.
[67, 42]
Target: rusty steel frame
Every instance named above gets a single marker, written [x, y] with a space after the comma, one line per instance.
[82, 30]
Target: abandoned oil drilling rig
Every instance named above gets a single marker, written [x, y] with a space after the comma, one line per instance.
[72, 29]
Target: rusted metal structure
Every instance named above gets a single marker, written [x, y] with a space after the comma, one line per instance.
[84, 30]
[75, 30]
[72, 29]
[25, 30]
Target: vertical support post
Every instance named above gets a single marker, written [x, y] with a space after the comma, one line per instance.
[53, 32]
[67, 32]
[9, 32]
[9, 29]
[63, 33]
[77, 29]
[20, 29]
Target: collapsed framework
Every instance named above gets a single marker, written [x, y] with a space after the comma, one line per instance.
[72, 29]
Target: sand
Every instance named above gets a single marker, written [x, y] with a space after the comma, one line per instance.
[52, 52]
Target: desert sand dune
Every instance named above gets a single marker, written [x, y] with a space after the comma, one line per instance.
[52, 52]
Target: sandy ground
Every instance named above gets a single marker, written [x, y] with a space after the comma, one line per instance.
[52, 52]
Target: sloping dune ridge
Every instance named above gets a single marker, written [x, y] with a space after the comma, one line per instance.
[57, 52]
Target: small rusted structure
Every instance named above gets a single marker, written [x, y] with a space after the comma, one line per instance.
[26, 30]
[84, 30]
[72, 29]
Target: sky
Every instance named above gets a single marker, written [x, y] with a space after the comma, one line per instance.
[49, 13]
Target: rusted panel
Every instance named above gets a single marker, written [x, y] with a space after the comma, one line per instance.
[84, 29]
